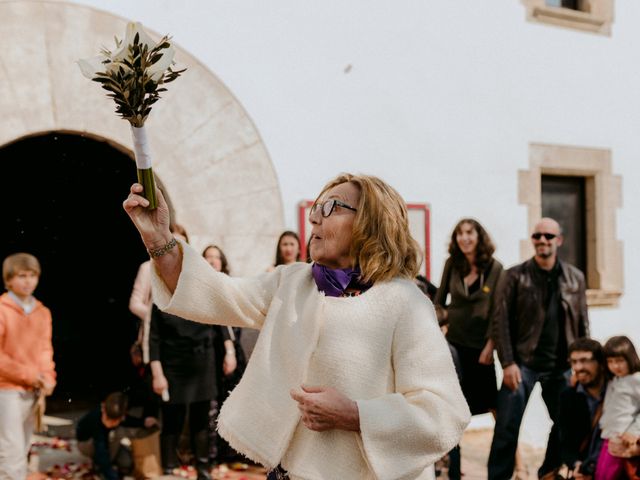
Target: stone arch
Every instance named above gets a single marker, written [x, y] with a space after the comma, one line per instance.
[207, 151]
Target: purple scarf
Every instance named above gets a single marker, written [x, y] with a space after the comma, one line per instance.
[333, 282]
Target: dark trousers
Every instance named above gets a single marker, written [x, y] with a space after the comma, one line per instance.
[173, 418]
[455, 472]
[511, 406]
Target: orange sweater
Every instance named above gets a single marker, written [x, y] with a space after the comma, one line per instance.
[25, 345]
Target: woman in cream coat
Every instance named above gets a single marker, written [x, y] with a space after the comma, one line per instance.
[351, 377]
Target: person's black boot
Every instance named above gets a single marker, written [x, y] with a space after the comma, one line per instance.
[200, 446]
[169, 450]
[202, 469]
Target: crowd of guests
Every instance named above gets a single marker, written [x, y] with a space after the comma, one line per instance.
[533, 315]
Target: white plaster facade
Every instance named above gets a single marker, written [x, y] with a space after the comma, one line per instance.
[442, 99]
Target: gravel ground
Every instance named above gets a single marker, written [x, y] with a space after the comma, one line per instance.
[475, 451]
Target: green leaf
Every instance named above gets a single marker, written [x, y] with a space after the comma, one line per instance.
[155, 58]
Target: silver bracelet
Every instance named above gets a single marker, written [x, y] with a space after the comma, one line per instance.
[158, 252]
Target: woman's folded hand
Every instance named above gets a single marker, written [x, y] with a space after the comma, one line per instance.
[324, 408]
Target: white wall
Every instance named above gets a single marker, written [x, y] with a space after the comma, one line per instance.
[442, 100]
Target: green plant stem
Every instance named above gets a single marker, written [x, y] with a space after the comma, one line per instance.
[147, 180]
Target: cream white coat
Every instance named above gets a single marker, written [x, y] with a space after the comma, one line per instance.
[383, 349]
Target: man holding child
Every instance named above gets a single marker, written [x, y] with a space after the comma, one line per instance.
[581, 408]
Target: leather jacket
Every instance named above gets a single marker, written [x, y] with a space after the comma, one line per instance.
[520, 312]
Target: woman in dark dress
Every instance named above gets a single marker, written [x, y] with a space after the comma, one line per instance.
[465, 300]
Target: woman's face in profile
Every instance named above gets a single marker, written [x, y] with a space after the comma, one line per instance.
[331, 236]
[467, 238]
[289, 249]
[213, 258]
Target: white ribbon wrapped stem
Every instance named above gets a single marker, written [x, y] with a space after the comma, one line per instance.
[141, 147]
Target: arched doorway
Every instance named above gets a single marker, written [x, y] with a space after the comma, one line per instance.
[205, 147]
[63, 202]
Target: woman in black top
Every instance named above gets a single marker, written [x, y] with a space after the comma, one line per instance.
[465, 302]
[184, 373]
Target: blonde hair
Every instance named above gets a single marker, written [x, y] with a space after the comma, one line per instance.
[17, 262]
[381, 242]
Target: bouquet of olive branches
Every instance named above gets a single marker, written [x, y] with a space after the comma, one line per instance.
[134, 76]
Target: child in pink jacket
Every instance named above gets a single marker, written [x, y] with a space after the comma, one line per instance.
[26, 361]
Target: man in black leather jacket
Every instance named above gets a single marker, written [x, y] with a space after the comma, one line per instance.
[541, 308]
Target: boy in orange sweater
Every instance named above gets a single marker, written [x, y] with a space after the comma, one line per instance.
[26, 361]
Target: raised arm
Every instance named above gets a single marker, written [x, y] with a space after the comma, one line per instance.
[153, 226]
[206, 296]
[184, 284]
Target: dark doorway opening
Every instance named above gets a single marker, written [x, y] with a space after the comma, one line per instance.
[62, 196]
[563, 198]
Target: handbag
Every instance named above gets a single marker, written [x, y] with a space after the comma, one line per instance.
[145, 449]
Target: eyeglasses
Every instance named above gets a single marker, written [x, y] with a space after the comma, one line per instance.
[539, 235]
[327, 207]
